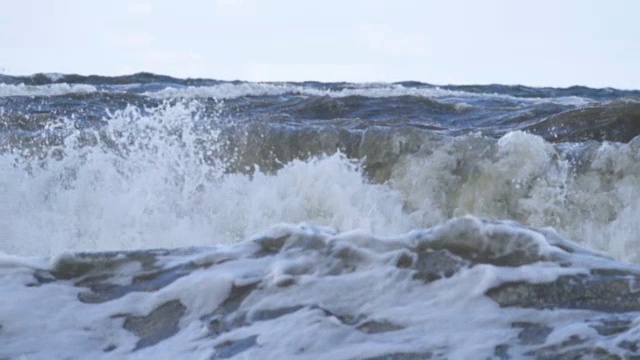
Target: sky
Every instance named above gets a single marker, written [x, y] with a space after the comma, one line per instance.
[537, 43]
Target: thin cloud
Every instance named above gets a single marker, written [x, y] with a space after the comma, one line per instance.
[382, 38]
[234, 8]
[139, 8]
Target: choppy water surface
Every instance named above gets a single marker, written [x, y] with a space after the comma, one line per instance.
[150, 162]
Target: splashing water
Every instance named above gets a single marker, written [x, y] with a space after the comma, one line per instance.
[156, 178]
[167, 176]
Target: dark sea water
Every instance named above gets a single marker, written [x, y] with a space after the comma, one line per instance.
[317, 220]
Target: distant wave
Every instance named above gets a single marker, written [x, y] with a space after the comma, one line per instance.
[45, 90]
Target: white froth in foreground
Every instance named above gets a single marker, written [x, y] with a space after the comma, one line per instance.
[295, 292]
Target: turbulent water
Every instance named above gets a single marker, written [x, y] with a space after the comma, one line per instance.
[316, 220]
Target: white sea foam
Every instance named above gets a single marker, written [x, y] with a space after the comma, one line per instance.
[528, 180]
[45, 90]
[54, 76]
[322, 295]
[235, 90]
[230, 91]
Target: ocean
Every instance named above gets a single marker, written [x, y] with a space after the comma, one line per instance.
[146, 216]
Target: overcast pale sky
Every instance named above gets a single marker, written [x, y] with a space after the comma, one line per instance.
[538, 43]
